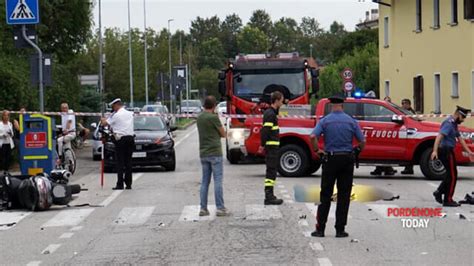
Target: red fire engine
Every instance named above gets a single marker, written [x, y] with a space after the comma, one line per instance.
[243, 81]
[392, 138]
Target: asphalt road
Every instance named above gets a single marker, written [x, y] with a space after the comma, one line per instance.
[157, 222]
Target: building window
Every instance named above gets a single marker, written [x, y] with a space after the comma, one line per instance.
[435, 14]
[418, 16]
[385, 34]
[437, 94]
[454, 12]
[469, 9]
[455, 85]
[387, 88]
[418, 93]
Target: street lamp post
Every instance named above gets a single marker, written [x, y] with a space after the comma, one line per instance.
[146, 53]
[130, 56]
[101, 62]
[169, 63]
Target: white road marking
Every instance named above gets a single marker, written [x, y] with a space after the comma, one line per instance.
[284, 191]
[185, 137]
[77, 228]
[134, 215]
[281, 186]
[316, 246]
[110, 198]
[34, 263]
[66, 235]
[262, 212]
[286, 196]
[68, 217]
[290, 201]
[432, 184]
[9, 219]
[381, 209]
[307, 233]
[116, 193]
[303, 223]
[332, 211]
[50, 249]
[191, 213]
[324, 262]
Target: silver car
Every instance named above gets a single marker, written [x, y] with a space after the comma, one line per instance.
[96, 143]
[191, 107]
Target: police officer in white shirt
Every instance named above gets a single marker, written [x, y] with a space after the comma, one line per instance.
[68, 124]
[121, 124]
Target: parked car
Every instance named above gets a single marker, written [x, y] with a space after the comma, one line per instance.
[222, 108]
[96, 142]
[191, 107]
[154, 145]
[158, 108]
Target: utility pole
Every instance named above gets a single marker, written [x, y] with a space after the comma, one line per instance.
[130, 56]
[169, 63]
[146, 53]
[162, 88]
[101, 62]
[180, 50]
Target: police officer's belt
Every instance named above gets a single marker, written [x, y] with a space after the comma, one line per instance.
[332, 153]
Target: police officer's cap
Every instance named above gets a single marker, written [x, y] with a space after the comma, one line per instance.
[336, 99]
[116, 100]
[463, 111]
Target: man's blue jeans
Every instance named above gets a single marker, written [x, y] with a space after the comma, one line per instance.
[212, 165]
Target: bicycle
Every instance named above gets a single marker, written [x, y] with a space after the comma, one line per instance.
[68, 159]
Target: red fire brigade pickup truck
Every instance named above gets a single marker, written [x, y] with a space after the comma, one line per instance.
[392, 138]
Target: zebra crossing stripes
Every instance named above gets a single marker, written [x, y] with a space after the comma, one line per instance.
[134, 215]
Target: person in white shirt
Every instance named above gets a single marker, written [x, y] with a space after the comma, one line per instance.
[68, 124]
[121, 124]
[6, 141]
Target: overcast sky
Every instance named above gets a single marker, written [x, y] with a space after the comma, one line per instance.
[114, 12]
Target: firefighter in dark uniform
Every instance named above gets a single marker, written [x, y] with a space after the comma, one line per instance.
[339, 130]
[270, 141]
[443, 150]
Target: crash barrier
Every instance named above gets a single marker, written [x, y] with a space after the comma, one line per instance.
[236, 115]
[36, 193]
[37, 144]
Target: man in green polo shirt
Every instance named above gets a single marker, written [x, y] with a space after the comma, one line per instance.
[210, 149]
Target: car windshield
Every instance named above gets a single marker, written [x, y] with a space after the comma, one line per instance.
[405, 112]
[250, 84]
[222, 104]
[154, 108]
[191, 104]
[148, 123]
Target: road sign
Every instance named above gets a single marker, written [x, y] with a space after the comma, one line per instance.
[22, 11]
[347, 74]
[349, 86]
[35, 140]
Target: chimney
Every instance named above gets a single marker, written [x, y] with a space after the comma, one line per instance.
[367, 16]
[374, 14]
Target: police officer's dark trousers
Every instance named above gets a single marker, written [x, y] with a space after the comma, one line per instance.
[271, 161]
[124, 150]
[338, 168]
[447, 186]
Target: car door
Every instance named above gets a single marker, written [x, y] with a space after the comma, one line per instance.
[382, 135]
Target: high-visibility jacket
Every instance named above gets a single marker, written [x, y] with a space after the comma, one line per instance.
[270, 133]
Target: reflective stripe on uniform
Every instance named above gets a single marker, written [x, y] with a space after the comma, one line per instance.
[275, 128]
[272, 143]
[268, 124]
[269, 182]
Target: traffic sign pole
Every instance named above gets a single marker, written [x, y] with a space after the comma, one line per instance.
[40, 66]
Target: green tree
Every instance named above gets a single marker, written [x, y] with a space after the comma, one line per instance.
[211, 54]
[261, 20]
[230, 28]
[286, 35]
[365, 65]
[252, 40]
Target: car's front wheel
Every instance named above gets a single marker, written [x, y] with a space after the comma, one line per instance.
[293, 161]
[171, 166]
[431, 169]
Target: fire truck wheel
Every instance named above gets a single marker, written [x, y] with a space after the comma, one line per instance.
[314, 167]
[233, 156]
[433, 170]
[293, 161]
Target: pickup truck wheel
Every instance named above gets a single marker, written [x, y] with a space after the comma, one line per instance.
[433, 170]
[314, 167]
[293, 161]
